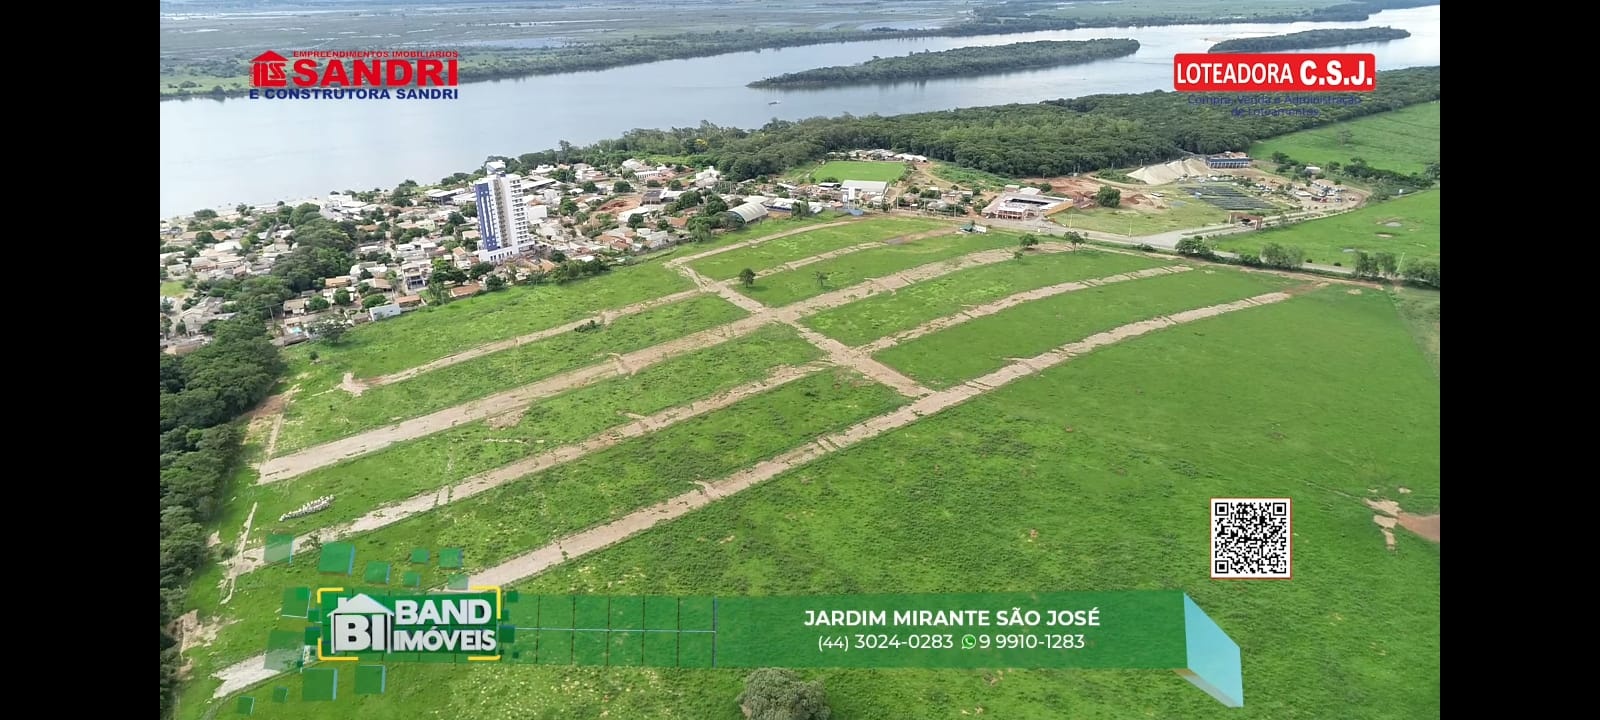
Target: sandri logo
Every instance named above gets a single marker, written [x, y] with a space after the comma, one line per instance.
[454, 623]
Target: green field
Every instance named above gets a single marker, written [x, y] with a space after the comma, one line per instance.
[969, 350]
[173, 289]
[969, 178]
[1093, 475]
[401, 471]
[881, 315]
[1180, 215]
[773, 253]
[790, 286]
[772, 225]
[315, 418]
[533, 510]
[1404, 140]
[1411, 224]
[434, 332]
[869, 170]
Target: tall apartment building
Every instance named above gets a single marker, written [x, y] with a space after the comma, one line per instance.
[502, 215]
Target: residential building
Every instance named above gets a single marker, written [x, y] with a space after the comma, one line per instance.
[383, 312]
[414, 275]
[502, 215]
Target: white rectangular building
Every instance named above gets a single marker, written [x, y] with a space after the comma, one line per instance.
[502, 215]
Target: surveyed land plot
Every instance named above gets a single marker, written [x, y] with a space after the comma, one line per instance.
[534, 509]
[882, 315]
[1285, 397]
[319, 418]
[432, 333]
[783, 288]
[772, 253]
[966, 351]
[428, 463]
[1406, 227]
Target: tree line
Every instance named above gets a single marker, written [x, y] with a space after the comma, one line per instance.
[1309, 39]
[202, 394]
[958, 62]
[1371, 266]
[1010, 17]
[1046, 139]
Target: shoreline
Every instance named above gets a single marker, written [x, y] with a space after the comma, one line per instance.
[980, 30]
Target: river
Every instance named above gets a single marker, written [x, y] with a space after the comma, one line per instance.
[219, 153]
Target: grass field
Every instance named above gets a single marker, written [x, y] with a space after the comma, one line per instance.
[1411, 224]
[432, 333]
[1404, 140]
[868, 170]
[1093, 475]
[773, 253]
[790, 286]
[534, 510]
[969, 350]
[968, 178]
[1420, 309]
[1183, 214]
[772, 225]
[313, 419]
[173, 289]
[864, 321]
[403, 470]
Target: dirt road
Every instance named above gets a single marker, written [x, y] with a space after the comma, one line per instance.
[588, 541]
[308, 459]
[245, 561]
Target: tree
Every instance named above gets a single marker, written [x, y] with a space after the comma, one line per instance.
[801, 209]
[469, 209]
[481, 269]
[780, 694]
[1196, 246]
[590, 187]
[1016, 254]
[1387, 264]
[715, 205]
[1366, 265]
[365, 274]
[1108, 196]
[620, 187]
[204, 237]
[747, 276]
[1425, 272]
[180, 329]
[318, 304]
[330, 330]
[1028, 241]
[341, 297]
[494, 282]
[636, 221]
[206, 214]
[822, 279]
[1074, 238]
[372, 301]
[700, 234]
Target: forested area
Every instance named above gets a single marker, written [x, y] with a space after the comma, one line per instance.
[1310, 39]
[1040, 139]
[202, 394]
[958, 62]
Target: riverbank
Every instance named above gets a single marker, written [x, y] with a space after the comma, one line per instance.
[960, 62]
[1310, 40]
[489, 64]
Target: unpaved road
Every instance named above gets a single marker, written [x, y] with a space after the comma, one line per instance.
[303, 461]
[251, 671]
[588, 541]
[246, 561]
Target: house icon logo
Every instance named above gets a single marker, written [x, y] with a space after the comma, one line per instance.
[268, 70]
[360, 624]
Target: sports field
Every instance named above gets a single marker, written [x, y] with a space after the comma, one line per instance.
[1404, 140]
[869, 170]
[1408, 227]
[1086, 470]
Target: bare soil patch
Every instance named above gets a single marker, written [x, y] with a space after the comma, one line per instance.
[510, 419]
[1390, 515]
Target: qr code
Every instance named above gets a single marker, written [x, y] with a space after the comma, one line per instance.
[1250, 538]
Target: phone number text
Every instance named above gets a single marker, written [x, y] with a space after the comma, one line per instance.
[882, 641]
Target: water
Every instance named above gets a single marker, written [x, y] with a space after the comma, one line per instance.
[221, 153]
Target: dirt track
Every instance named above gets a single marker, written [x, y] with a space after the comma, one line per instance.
[308, 459]
[597, 538]
[1009, 302]
[248, 560]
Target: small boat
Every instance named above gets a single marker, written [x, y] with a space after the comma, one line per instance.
[774, 102]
